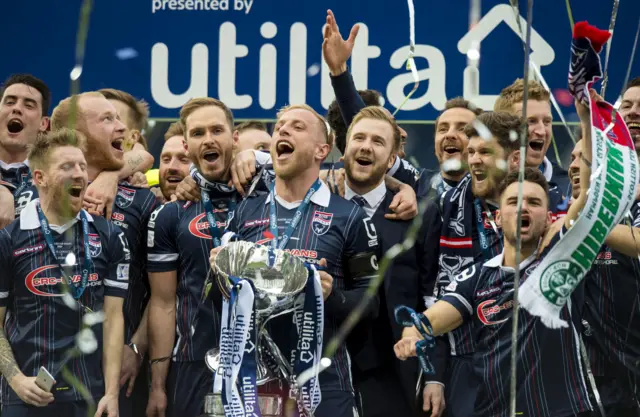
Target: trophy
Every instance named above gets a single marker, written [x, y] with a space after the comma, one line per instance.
[281, 284]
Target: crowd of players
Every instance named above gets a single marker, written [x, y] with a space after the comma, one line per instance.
[83, 233]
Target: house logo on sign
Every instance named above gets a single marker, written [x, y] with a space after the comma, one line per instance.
[541, 52]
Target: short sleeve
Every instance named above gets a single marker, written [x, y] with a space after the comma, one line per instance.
[459, 293]
[5, 267]
[162, 250]
[117, 282]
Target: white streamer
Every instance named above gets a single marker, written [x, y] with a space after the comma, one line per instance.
[411, 64]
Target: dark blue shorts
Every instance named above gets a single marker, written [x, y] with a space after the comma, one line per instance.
[187, 385]
[136, 404]
[337, 404]
[460, 386]
[66, 409]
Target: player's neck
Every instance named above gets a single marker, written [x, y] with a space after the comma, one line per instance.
[54, 213]
[510, 253]
[294, 189]
[9, 157]
[362, 188]
[93, 172]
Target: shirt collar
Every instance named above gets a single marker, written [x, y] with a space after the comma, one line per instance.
[7, 167]
[29, 219]
[320, 197]
[373, 197]
[497, 261]
[547, 169]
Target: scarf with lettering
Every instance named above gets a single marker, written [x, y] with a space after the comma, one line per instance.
[614, 174]
[456, 236]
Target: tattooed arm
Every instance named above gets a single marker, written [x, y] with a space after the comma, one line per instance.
[25, 387]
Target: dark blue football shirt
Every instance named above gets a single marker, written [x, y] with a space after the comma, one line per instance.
[334, 229]
[40, 327]
[550, 381]
[612, 290]
[179, 240]
[131, 211]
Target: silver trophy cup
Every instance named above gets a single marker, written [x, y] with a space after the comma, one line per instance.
[276, 289]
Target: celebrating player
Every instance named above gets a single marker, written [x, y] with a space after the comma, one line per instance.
[324, 230]
[386, 385]
[56, 244]
[182, 326]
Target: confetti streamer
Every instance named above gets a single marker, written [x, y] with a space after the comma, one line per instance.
[570, 14]
[523, 153]
[411, 63]
[612, 25]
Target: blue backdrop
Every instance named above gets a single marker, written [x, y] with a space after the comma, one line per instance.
[258, 55]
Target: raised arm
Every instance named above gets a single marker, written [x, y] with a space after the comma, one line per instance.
[336, 51]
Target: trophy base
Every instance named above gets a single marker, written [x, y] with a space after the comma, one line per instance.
[270, 405]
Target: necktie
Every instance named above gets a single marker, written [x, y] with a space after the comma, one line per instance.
[359, 200]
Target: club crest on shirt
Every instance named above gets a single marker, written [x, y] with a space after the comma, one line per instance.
[321, 222]
[95, 245]
[199, 227]
[125, 197]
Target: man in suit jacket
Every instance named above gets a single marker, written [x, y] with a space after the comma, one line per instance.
[387, 386]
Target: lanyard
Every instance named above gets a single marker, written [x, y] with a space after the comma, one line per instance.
[273, 219]
[484, 240]
[407, 317]
[76, 291]
[216, 234]
[24, 184]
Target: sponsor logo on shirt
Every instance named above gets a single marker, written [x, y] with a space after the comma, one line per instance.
[605, 258]
[321, 222]
[256, 223]
[488, 291]
[199, 226]
[125, 197]
[39, 285]
[95, 246]
[29, 249]
[488, 312]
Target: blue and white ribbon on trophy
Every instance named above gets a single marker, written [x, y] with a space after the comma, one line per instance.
[238, 352]
[309, 320]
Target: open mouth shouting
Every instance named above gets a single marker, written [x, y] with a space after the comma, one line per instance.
[526, 223]
[15, 126]
[363, 161]
[284, 149]
[479, 175]
[536, 145]
[210, 156]
[75, 190]
[117, 144]
[451, 149]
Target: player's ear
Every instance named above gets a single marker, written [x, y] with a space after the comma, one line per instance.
[322, 151]
[39, 178]
[392, 160]
[498, 219]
